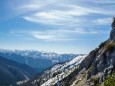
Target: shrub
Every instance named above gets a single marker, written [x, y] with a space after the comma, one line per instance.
[110, 80]
[109, 47]
[91, 68]
[67, 84]
[98, 85]
[95, 81]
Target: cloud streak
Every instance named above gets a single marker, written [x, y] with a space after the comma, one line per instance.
[57, 34]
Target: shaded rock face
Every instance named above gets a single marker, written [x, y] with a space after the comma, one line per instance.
[97, 62]
[113, 23]
[112, 34]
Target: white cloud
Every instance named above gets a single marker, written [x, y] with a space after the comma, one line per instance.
[73, 10]
[70, 14]
[105, 1]
[51, 35]
[103, 21]
[31, 4]
[63, 12]
[64, 34]
[56, 34]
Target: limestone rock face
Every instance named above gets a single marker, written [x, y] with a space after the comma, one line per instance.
[112, 34]
[113, 23]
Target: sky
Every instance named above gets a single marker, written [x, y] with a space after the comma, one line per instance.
[61, 26]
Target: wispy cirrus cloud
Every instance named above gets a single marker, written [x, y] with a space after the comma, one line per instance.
[56, 12]
[73, 15]
[103, 21]
[57, 34]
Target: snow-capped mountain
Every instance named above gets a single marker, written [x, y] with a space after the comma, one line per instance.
[58, 72]
[37, 54]
[40, 60]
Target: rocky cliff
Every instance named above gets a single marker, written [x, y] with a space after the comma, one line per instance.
[98, 68]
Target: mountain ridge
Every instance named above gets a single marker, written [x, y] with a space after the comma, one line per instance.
[49, 77]
[14, 71]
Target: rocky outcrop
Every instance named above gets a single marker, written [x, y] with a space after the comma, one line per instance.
[97, 65]
[113, 23]
[101, 61]
[112, 34]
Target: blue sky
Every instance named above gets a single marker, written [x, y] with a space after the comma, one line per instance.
[62, 26]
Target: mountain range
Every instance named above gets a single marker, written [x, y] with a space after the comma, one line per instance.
[39, 60]
[21, 65]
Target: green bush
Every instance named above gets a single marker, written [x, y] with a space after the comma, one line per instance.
[95, 81]
[110, 80]
[98, 85]
[67, 84]
[91, 68]
[109, 47]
